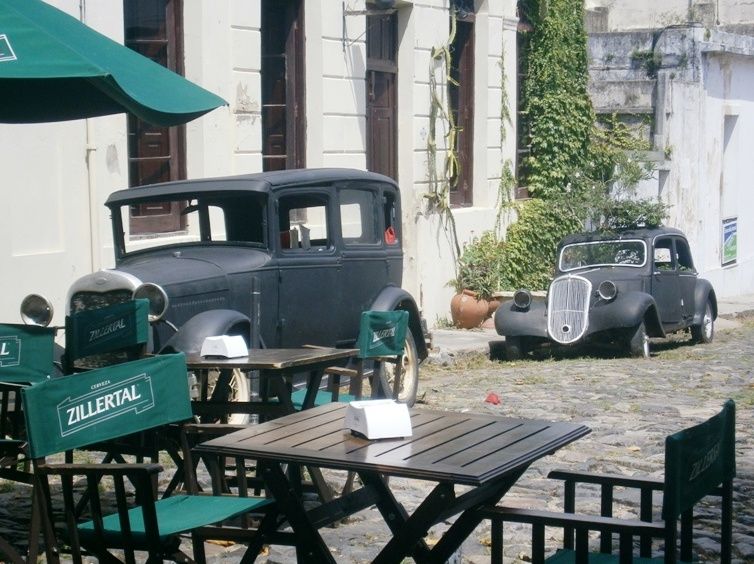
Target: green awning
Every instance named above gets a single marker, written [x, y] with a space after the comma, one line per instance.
[55, 68]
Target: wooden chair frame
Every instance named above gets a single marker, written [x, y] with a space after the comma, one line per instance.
[678, 510]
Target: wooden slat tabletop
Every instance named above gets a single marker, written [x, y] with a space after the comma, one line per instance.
[445, 446]
[272, 359]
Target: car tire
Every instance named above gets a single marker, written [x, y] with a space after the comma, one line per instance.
[705, 332]
[638, 344]
[239, 391]
[409, 372]
[515, 348]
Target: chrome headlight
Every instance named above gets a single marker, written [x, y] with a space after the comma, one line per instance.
[522, 299]
[36, 310]
[607, 290]
[158, 299]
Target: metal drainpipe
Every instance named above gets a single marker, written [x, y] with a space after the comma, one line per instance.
[91, 148]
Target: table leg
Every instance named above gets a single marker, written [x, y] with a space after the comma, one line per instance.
[309, 544]
[460, 530]
[408, 532]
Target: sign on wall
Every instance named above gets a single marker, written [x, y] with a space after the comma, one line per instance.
[730, 241]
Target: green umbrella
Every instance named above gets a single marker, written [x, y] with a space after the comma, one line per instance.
[54, 68]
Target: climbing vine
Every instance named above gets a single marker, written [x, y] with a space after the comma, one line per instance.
[440, 184]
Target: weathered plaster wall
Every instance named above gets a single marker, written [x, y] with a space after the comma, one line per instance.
[624, 15]
[702, 108]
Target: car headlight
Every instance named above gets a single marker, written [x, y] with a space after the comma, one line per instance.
[607, 290]
[36, 310]
[522, 299]
[158, 299]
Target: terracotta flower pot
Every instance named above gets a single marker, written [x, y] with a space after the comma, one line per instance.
[467, 311]
[494, 303]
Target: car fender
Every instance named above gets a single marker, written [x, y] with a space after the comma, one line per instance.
[702, 292]
[626, 311]
[191, 335]
[392, 298]
[514, 322]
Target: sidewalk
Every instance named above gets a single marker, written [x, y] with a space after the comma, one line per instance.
[447, 343]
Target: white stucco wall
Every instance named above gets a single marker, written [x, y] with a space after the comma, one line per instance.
[729, 96]
[52, 233]
[431, 255]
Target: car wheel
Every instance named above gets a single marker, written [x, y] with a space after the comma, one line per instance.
[638, 344]
[238, 390]
[705, 332]
[409, 372]
[515, 348]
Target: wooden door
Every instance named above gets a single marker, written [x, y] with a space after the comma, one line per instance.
[283, 119]
[461, 98]
[382, 71]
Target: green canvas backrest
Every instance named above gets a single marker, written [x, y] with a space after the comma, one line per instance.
[26, 353]
[697, 460]
[105, 329]
[382, 333]
[97, 405]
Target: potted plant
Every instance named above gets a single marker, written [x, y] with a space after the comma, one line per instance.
[478, 277]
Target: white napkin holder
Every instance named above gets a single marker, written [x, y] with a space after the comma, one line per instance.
[378, 419]
[227, 346]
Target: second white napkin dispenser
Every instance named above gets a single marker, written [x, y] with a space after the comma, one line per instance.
[378, 419]
[228, 346]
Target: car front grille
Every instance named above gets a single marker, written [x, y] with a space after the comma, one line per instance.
[81, 301]
[568, 308]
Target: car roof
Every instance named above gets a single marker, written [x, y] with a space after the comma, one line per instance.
[256, 182]
[644, 234]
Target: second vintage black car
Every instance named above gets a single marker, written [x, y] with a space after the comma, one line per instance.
[316, 247]
[624, 287]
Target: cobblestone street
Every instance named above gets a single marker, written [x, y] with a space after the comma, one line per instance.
[630, 405]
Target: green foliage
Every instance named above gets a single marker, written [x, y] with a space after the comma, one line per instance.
[532, 241]
[631, 214]
[480, 267]
[650, 61]
[555, 100]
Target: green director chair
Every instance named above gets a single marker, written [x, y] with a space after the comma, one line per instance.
[699, 462]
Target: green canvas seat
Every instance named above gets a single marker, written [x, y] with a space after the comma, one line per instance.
[26, 353]
[699, 462]
[106, 335]
[382, 337]
[63, 414]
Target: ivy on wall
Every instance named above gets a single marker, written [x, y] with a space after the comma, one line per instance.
[579, 171]
[555, 100]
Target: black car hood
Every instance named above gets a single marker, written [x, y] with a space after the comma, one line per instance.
[193, 270]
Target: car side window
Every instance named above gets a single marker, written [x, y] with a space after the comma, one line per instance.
[663, 255]
[358, 217]
[303, 222]
[683, 256]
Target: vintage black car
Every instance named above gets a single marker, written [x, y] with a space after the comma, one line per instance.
[317, 247]
[624, 287]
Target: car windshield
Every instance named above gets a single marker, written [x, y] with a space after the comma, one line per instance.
[603, 253]
[219, 219]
